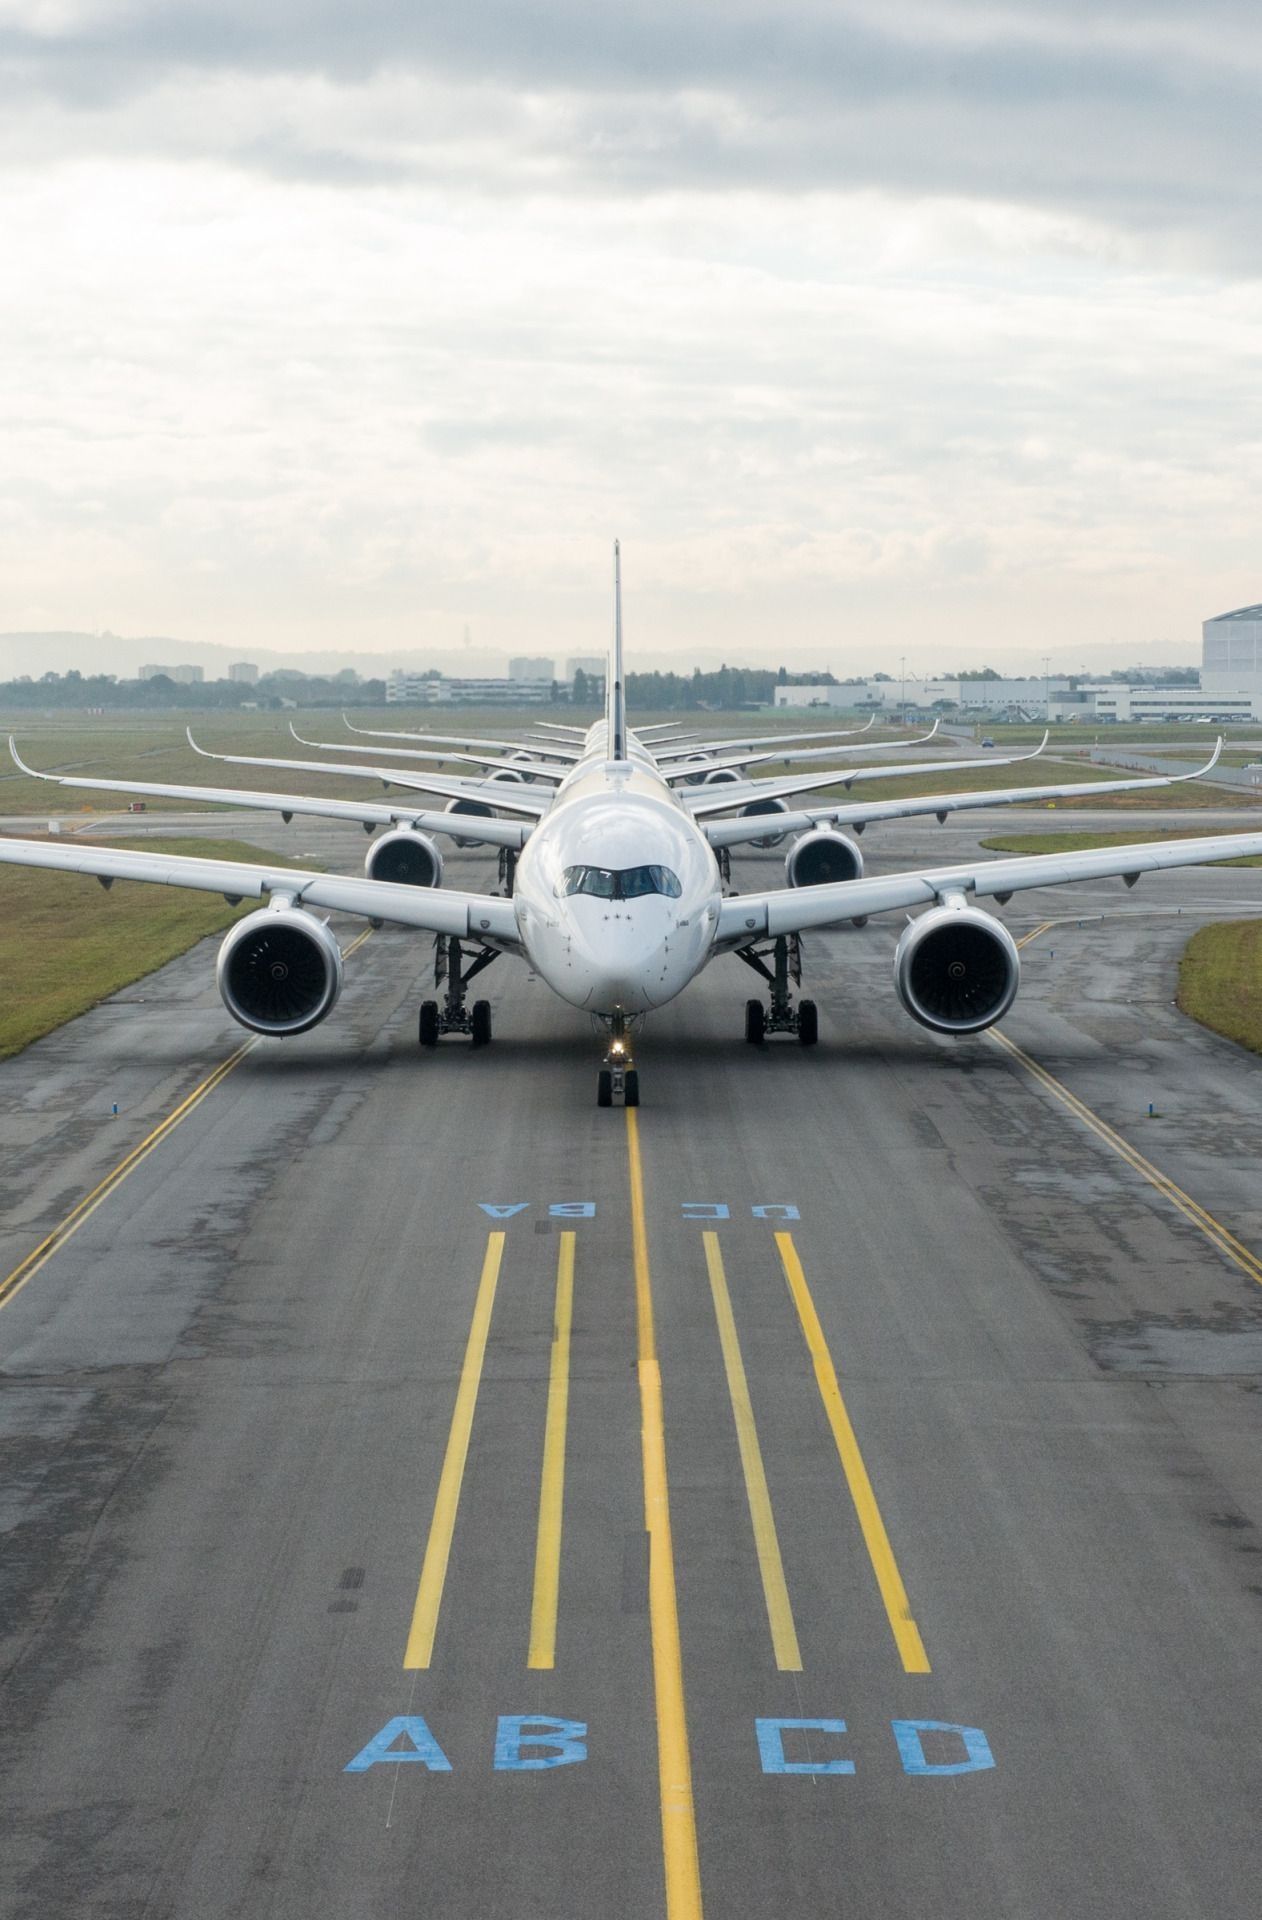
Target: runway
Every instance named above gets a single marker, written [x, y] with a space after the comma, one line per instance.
[354, 1563]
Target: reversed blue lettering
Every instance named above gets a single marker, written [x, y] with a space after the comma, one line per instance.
[424, 1747]
[565, 1741]
[503, 1213]
[775, 1213]
[705, 1210]
[573, 1209]
[911, 1750]
[771, 1746]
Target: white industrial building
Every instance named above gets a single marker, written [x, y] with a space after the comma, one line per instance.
[528, 667]
[414, 689]
[1231, 651]
[1029, 697]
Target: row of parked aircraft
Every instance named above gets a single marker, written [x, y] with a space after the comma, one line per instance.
[614, 850]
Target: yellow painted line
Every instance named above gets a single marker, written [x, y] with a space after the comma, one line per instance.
[906, 1633]
[674, 1762]
[784, 1639]
[1035, 934]
[1214, 1231]
[78, 1217]
[429, 1594]
[543, 1612]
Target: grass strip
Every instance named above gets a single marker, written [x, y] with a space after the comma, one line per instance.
[66, 944]
[1220, 981]
[1086, 842]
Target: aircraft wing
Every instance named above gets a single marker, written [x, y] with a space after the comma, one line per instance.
[560, 749]
[672, 752]
[511, 795]
[857, 814]
[703, 801]
[492, 833]
[535, 769]
[752, 916]
[473, 916]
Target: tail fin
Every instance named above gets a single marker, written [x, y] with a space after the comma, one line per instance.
[615, 690]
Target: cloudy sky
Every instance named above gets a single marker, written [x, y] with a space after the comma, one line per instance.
[928, 329]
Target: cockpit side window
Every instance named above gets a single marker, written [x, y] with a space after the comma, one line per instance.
[620, 883]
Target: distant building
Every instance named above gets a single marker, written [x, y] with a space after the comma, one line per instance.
[152, 673]
[592, 664]
[243, 671]
[430, 690]
[1231, 650]
[188, 676]
[530, 668]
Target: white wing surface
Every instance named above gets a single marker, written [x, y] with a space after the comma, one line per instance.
[464, 826]
[858, 814]
[750, 916]
[473, 916]
[510, 795]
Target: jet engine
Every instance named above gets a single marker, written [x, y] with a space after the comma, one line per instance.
[510, 774]
[956, 969]
[822, 857]
[477, 807]
[721, 777]
[407, 857]
[279, 971]
[757, 807]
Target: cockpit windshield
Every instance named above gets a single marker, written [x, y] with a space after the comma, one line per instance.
[625, 883]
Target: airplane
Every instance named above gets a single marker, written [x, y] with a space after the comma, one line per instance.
[614, 888]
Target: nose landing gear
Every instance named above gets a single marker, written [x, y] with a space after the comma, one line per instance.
[618, 1079]
[454, 1016]
[785, 954]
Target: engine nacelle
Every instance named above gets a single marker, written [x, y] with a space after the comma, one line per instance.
[279, 971]
[408, 858]
[510, 775]
[956, 969]
[476, 807]
[757, 807]
[822, 857]
[721, 777]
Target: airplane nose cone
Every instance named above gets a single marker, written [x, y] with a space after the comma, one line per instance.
[624, 955]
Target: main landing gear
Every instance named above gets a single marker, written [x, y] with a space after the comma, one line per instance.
[785, 954]
[618, 1079]
[454, 1016]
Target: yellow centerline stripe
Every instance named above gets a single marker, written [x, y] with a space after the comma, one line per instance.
[674, 1762]
[1035, 933]
[79, 1215]
[784, 1639]
[543, 1612]
[897, 1607]
[1214, 1231]
[429, 1594]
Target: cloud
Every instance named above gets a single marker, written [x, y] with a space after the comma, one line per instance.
[1143, 116]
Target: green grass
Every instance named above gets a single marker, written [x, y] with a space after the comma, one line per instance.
[66, 944]
[1085, 842]
[1220, 980]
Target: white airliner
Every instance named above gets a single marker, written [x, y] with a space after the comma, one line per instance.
[614, 862]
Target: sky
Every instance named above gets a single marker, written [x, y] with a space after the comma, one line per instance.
[925, 331]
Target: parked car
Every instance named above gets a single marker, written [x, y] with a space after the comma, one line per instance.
[988, 743]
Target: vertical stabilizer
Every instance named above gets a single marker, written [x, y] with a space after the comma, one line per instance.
[615, 686]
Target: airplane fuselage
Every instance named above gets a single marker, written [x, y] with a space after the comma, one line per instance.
[617, 892]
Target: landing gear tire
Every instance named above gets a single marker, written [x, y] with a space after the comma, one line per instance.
[808, 1022]
[604, 1088]
[631, 1088]
[427, 1026]
[755, 1023]
[480, 1024]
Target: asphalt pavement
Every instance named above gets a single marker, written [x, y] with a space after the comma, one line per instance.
[351, 1563]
